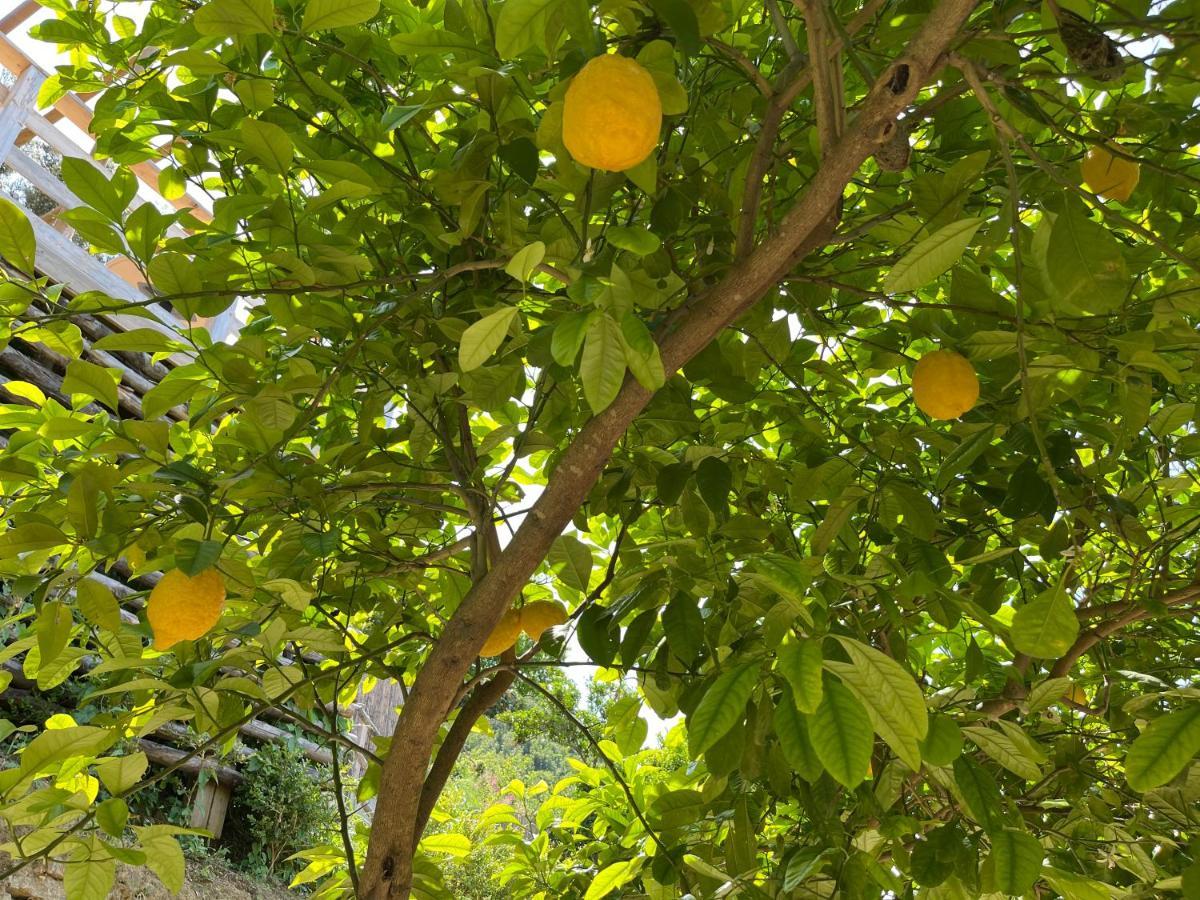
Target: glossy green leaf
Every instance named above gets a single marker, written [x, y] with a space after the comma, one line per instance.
[1047, 626]
[841, 735]
[891, 696]
[322, 14]
[932, 257]
[484, 337]
[1162, 750]
[721, 707]
[602, 367]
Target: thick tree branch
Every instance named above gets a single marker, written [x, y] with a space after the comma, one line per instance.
[388, 869]
[1116, 616]
[785, 96]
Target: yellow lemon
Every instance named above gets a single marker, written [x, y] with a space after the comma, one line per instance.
[536, 617]
[944, 385]
[504, 635]
[611, 114]
[1109, 175]
[185, 607]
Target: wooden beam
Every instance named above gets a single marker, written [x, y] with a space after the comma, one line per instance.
[17, 104]
[162, 755]
[74, 267]
[19, 15]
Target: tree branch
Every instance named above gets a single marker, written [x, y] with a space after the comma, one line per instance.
[785, 96]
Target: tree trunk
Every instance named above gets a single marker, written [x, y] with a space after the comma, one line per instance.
[388, 870]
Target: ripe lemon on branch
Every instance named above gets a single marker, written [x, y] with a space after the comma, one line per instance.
[612, 114]
[504, 635]
[185, 607]
[536, 617]
[944, 385]
[1110, 175]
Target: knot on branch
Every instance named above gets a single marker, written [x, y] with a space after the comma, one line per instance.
[897, 81]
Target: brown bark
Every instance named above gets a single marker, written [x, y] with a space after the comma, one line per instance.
[388, 869]
[1116, 617]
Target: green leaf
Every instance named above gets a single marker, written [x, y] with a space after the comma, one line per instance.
[222, 18]
[1046, 692]
[892, 698]
[54, 625]
[50, 748]
[119, 773]
[1046, 627]
[93, 381]
[448, 843]
[484, 337]
[174, 273]
[641, 353]
[836, 518]
[841, 735]
[979, 792]
[568, 336]
[1004, 750]
[602, 368]
[1076, 887]
[269, 144]
[571, 560]
[721, 707]
[1016, 861]
[1087, 265]
[525, 261]
[522, 24]
[640, 241]
[111, 815]
[943, 743]
[681, 19]
[99, 605]
[791, 727]
[110, 197]
[932, 257]
[801, 662]
[428, 41]
[29, 537]
[684, 627]
[1161, 751]
[165, 858]
[142, 340]
[322, 14]
[17, 244]
[613, 875]
[89, 879]
[677, 809]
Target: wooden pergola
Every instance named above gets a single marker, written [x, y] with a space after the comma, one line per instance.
[58, 256]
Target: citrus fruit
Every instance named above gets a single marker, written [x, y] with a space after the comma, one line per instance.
[185, 607]
[1109, 175]
[944, 385]
[611, 114]
[504, 635]
[536, 617]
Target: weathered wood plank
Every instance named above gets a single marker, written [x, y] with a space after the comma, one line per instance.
[211, 805]
[19, 15]
[16, 107]
[162, 755]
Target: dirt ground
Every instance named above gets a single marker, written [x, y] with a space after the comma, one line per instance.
[205, 881]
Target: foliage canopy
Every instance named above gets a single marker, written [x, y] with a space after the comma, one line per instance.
[948, 658]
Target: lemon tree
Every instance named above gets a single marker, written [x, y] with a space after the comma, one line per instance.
[624, 311]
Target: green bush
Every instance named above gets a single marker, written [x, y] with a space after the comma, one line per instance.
[280, 808]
